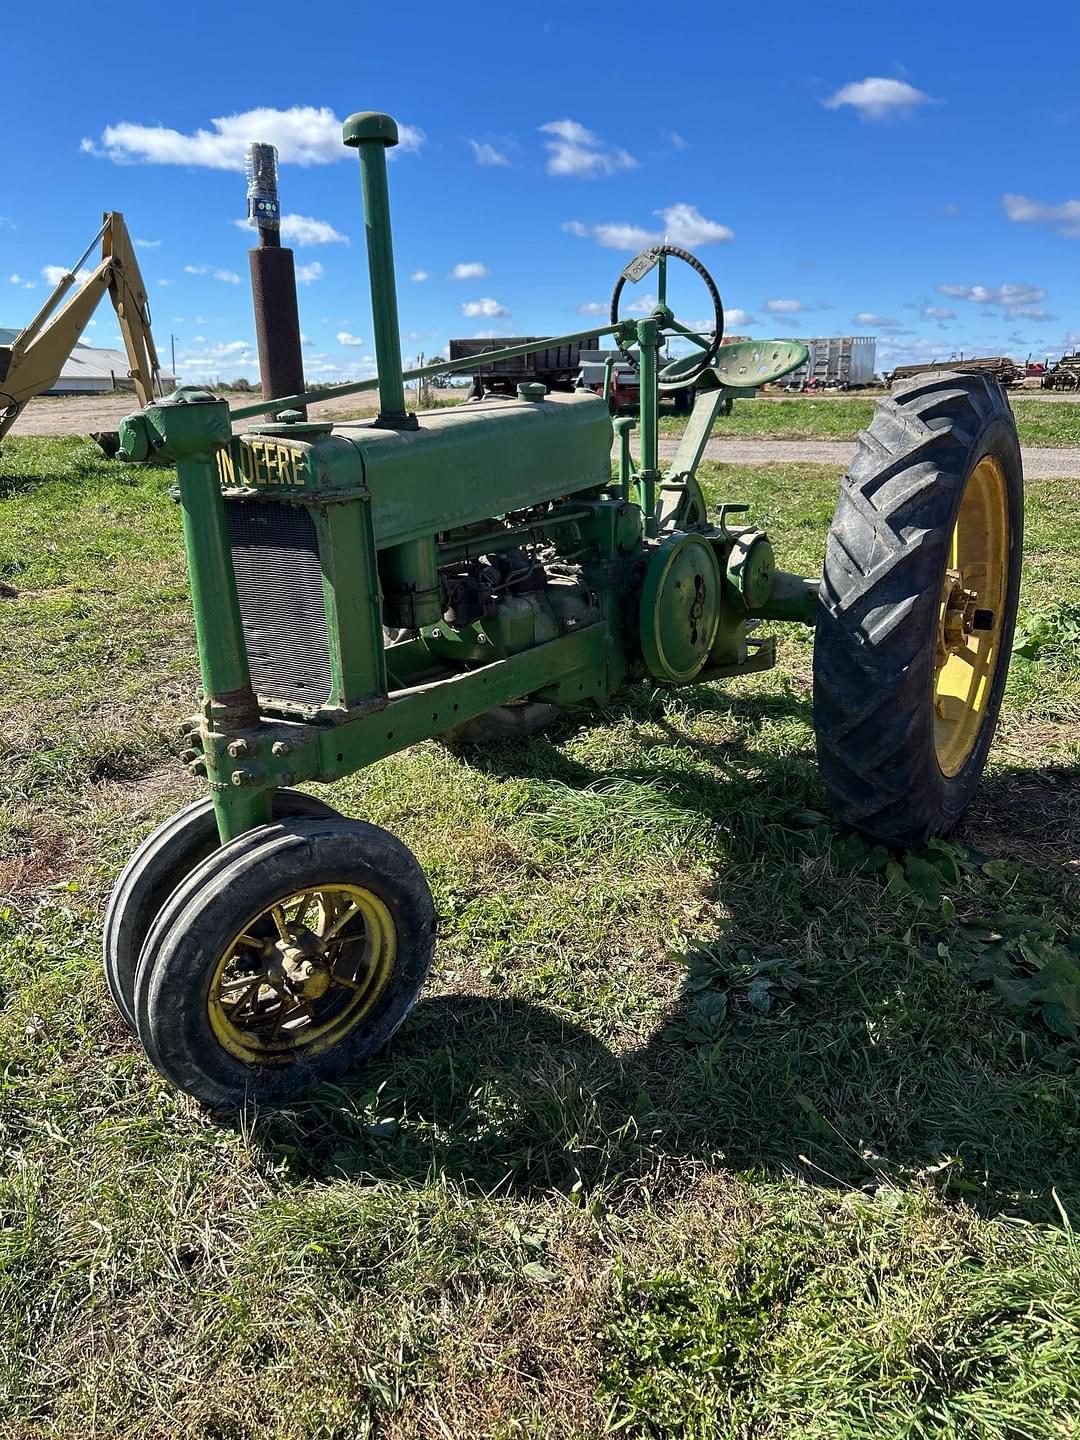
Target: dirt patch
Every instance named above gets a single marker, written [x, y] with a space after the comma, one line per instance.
[87, 414]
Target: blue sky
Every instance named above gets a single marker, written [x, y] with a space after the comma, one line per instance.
[840, 168]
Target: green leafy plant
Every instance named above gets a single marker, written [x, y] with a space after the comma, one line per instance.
[1050, 629]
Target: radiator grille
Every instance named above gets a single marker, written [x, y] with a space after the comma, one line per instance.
[279, 579]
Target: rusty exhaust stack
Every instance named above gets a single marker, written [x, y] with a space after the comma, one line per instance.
[273, 281]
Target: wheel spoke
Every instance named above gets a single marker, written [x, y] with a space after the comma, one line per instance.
[341, 921]
[283, 1013]
[303, 903]
[240, 982]
[237, 1001]
[336, 979]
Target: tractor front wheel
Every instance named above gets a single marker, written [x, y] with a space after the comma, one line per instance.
[917, 607]
[164, 858]
[288, 955]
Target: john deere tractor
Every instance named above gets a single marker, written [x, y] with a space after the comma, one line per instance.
[360, 587]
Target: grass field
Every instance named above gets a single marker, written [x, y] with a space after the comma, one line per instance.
[807, 417]
[713, 1121]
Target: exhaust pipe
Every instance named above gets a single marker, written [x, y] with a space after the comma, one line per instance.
[273, 281]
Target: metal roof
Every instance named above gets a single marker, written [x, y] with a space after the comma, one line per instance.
[85, 362]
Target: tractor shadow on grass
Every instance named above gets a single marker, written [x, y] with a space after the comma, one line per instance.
[824, 1036]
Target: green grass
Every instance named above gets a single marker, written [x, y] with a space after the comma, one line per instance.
[713, 1121]
[807, 417]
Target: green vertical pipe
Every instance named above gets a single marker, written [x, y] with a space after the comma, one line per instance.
[648, 403]
[372, 134]
[623, 426]
[223, 661]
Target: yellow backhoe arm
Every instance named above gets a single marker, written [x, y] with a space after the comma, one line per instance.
[34, 360]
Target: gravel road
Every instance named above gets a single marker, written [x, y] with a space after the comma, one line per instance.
[1040, 462]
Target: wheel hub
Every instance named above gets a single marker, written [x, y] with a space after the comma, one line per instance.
[304, 966]
[961, 616]
[302, 972]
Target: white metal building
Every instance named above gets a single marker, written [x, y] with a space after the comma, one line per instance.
[88, 370]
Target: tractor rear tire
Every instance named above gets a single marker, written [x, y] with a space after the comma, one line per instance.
[917, 607]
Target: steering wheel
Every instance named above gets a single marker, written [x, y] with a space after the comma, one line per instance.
[679, 374]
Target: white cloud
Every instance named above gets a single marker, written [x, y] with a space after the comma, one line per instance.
[645, 305]
[1030, 312]
[305, 274]
[228, 277]
[164, 282]
[4, 220]
[593, 307]
[683, 225]
[1065, 217]
[876, 98]
[344, 338]
[785, 307]
[933, 312]
[303, 135]
[677, 141]
[470, 270]
[229, 358]
[686, 226]
[1014, 299]
[22, 284]
[487, 307]
[484, 153]
[577, 152]
[618, 235]
[303, 230]
[734, 317]
[867, 319]
[148, 244]
[53, 274]
[419, 275]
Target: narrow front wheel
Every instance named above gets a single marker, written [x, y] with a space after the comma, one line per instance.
[289, 955]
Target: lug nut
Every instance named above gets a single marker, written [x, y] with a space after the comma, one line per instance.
[238, 749]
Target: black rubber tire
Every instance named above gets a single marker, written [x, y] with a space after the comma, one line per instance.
[220, 896]
[160, 863]
[879, 605]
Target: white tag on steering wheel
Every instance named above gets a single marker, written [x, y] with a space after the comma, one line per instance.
[640, 266]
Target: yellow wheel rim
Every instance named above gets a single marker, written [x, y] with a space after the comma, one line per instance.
[302, 973]
[971, 616]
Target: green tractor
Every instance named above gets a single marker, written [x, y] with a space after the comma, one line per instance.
[360, 587]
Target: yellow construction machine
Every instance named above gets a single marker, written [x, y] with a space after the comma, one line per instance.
[32, 363]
